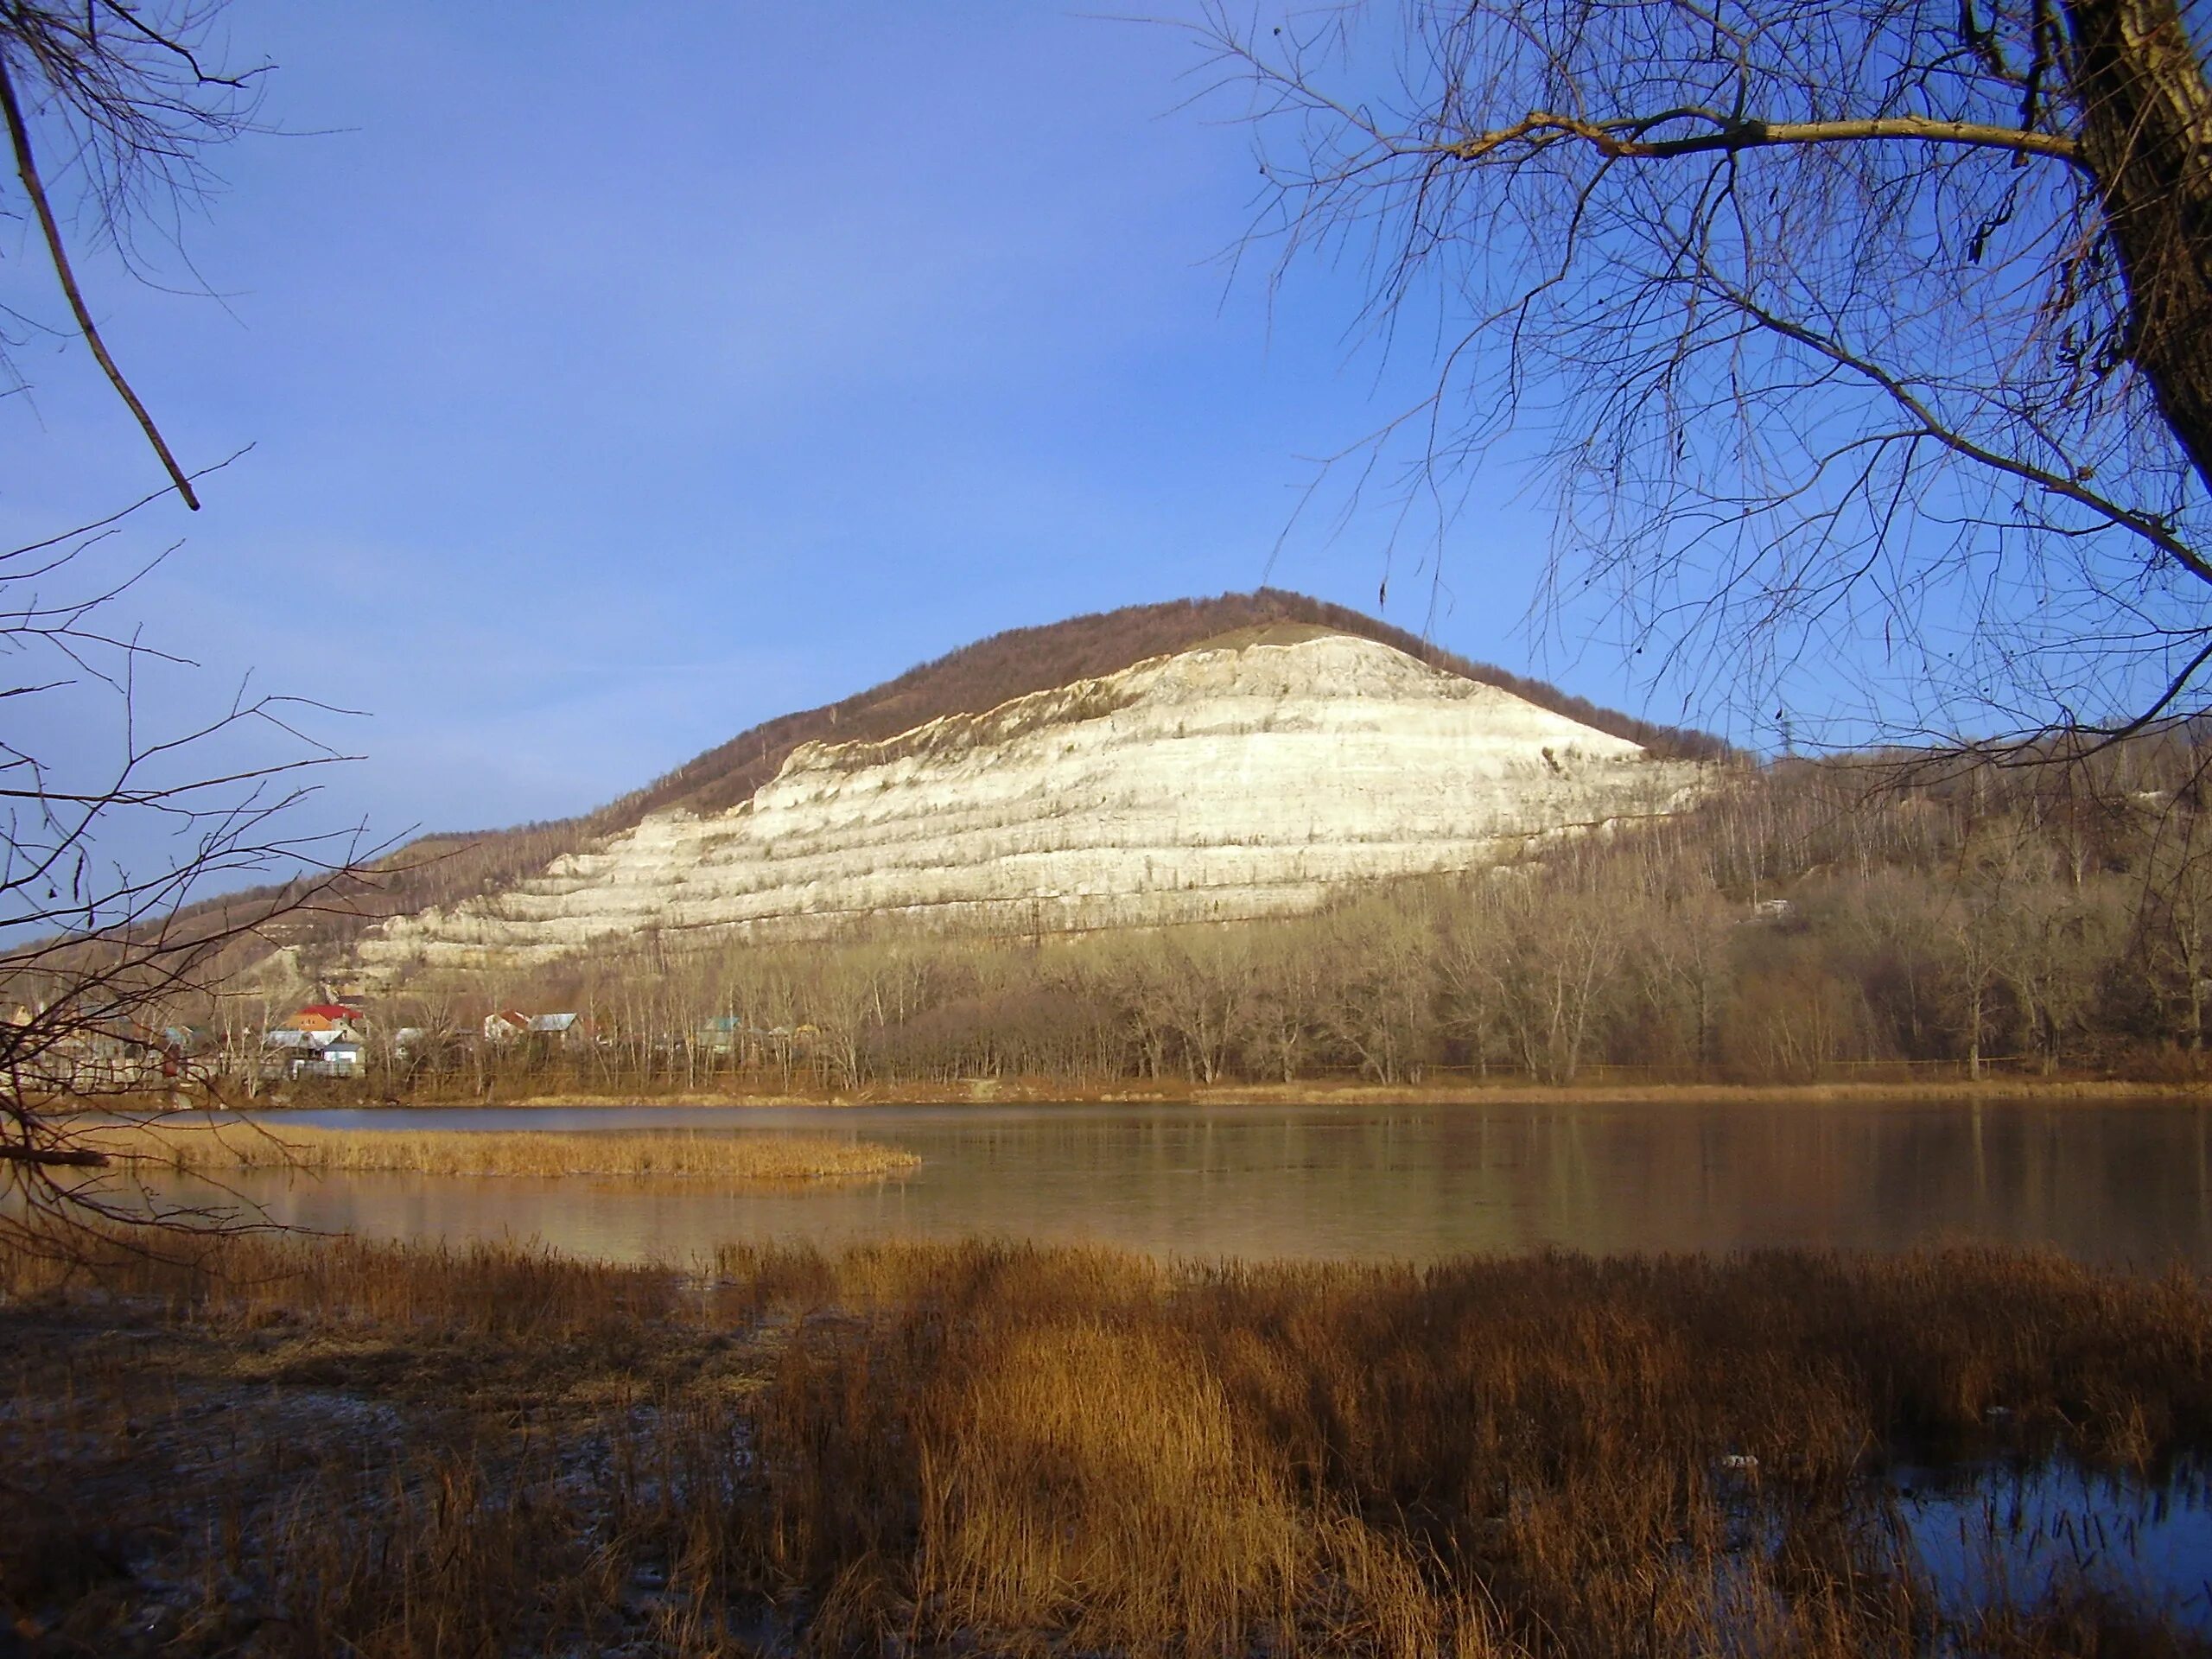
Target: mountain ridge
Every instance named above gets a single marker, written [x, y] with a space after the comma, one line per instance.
[444, 867]
[1256, 774]
[1091, 646]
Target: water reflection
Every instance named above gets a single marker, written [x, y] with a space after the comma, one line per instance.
[1989, 1539]
[2108, 1183]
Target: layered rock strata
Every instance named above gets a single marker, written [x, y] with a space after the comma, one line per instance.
[1226, 782]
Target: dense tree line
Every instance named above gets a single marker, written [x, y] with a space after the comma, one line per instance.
[1810, 920]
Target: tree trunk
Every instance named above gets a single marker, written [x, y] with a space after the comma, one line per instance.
[2146, 134]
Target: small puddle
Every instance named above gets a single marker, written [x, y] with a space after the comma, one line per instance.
[1989, 1536]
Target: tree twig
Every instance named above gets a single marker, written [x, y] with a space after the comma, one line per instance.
[19, 137]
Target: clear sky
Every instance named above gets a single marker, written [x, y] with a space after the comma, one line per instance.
[620, 377]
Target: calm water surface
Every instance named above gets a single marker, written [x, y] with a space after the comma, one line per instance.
[2110, 1183]
[1987, 1537]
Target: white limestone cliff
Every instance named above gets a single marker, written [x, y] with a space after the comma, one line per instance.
[1228, 781]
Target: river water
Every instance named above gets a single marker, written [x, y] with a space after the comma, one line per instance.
[2114, 1183]
[2117, 1184]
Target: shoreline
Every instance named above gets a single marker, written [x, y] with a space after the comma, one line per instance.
[1037, 1092]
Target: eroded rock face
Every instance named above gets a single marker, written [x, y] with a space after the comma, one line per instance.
[1222, 783]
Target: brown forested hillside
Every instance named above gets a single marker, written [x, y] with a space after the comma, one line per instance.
[444, 868]
[1897, 916]
[1880, 916]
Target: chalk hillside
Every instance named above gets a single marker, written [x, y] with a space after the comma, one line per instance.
[1252, 773]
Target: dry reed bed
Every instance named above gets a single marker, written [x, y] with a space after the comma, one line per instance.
[1008, 1449]
[745, 1156]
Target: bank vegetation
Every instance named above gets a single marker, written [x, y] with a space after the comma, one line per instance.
[1811, 922]
[638, 1153]
[310, 1447]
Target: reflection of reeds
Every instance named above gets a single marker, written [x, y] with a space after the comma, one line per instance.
[1001, 1448]
[749, 1156]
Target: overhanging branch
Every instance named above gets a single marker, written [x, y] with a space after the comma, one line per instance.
[19, 138]
[1624, 139]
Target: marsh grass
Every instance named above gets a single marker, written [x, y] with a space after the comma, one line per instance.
[294, 1446]
[642, 1154]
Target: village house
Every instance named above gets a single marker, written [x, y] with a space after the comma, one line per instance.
[324, 1040]
[546, 1030]
[344, 1059]
[92, 1059]
[721, 1034]
[318, 1019]
[564, 1029]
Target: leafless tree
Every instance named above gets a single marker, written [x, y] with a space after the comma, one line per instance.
[1870, 340]
[123, 822]
[1555, 961]
[1678, 939]
[1991, 865]
[1207, 991]
[117, 843]
[1377, 991]
[2173, 919]
[119, 101]
[2057, 944]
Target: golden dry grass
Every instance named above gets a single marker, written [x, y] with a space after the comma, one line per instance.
[1517, 1456]
[623, 1152]
[998, 1448]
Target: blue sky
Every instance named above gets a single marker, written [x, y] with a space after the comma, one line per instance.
[618, 378]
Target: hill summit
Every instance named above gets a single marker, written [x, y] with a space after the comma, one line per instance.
[1251, 771]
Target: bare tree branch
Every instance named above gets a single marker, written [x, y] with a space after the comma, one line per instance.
[1628, 139]
[19, 138]
[1868, 344]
